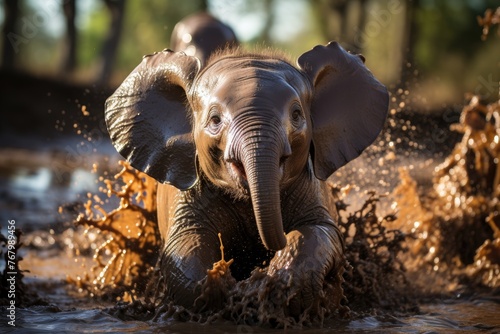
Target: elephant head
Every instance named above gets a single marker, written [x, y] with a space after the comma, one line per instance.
[247, 122]
[200, 35]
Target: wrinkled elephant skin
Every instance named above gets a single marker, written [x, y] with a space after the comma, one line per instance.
[242, 147]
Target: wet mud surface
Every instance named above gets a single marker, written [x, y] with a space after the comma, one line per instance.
[420, 221]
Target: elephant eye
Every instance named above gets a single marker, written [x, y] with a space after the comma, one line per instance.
[214, 123]
[215, 120]
[297, 117]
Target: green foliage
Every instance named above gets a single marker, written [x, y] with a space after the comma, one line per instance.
[92, 34]
[148, 26]
[446, 42]
[446, 27]
[37, 48]
[449, 44]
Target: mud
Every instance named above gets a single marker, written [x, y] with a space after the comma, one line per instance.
[423, 252]
[129, 240]
[12, 275]
[387, 253]
[419, 242]
[375, 279]
[454, 224]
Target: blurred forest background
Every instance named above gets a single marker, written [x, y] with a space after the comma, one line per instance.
[433, 48]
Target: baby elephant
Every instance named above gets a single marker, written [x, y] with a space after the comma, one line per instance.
[242, 147]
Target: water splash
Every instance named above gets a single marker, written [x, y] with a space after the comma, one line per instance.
[126, 257]
[434, 240]
[128, 253]
[375, 279]
[455, 225]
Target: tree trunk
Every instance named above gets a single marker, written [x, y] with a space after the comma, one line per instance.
[409, 43]
[11, 11]
[117, 11]
[69, 57]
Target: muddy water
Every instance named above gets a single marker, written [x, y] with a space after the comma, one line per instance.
[45, 190]
[447, 317]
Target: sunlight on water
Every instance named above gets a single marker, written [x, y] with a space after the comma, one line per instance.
[402, 245]
[129, 236]
[405, 242]
[425, 233]
[38, 180]
[422, 234]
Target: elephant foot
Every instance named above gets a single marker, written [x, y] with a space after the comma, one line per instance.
[300, 293]
[311, 267]
[307, 296]
[274, 301]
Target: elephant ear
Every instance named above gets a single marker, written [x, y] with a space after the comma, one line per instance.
[348, 108]
[148, 118]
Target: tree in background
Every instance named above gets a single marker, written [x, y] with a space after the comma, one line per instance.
[341, 20]
[69, 52]
[147, 26]
[11, 13]
[116, 9]
[397, 36]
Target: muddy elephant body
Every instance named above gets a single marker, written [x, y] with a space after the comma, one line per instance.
[242, 147]
[209, 210]
[201, 35]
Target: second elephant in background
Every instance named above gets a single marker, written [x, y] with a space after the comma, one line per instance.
[200, 35]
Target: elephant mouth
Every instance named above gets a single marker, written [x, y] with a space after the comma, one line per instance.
[238, 169]
[238, 174]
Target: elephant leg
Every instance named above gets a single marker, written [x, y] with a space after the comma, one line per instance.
[189, 253]
[313, 253]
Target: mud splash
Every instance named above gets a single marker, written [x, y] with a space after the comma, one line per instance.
[260, 300]
[375, 280]
[124, 268]
[130, 241]
[441, 241]
[12, 285]
[455, 224]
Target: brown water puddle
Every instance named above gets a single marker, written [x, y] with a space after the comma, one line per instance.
[404, 248]
[446, 235]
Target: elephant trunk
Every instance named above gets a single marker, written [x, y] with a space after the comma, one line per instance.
[261, 160]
